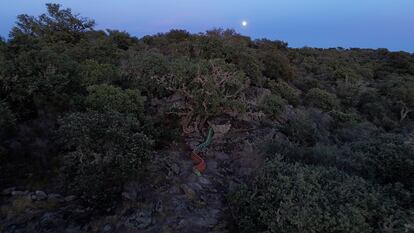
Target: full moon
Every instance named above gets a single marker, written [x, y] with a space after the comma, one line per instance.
[244, 23]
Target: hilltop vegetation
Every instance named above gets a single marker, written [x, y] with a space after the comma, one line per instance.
[83, 111]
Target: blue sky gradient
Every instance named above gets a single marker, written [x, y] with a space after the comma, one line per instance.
[316, 23]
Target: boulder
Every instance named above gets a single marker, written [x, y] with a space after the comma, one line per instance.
[70, 198]
[40, 195]
[17, 193]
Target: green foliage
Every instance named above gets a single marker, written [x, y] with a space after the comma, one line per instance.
[107, 98]
[143, 69]
[57, 25]
[344, 118]
[209, 87]
[272, 105]
[376, 109]
[400, 91]
[302, 129]
[348, 92]
[94, 73]
[276, 66]
[321, 99]
[285, 90]
[7, 118]
[121, 39]
[103, 151]
[383, 159]
[285, 197]
[251, 66]
[386, 158]
[7, 126]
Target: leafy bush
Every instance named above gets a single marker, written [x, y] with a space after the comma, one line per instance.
[251, 66]
[350, 132]
[272, 105]
[302, 129]
[58, 25]
[142, 70]
[94, 73]
[285, 90]
[103, 150]
[208, 87]
[110, 98]
[400, 92]
[321, 99]
[286, 197]
[348, 92]
[341, 118]
[276, 65]
[7, 118]
[385, 158]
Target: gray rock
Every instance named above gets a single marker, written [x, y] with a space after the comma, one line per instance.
[195, 186]
[139, 220]
[70, 198]
[18, 193]
[175, 169]
[50, 221]
[107, 228]
[55, 197]
[129, 196]
[204, 180]
[158, 207]
[8, 191]
[40, 195]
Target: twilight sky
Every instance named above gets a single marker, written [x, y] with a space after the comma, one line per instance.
[316, 23]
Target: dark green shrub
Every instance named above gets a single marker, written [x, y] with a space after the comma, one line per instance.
[341, 118]
[348, 92]
[209, 87]
[286, 197]
[385, 158]
[143, 70]
[378, 109]
[321, 99]
[7, 118]
[103, 151]
[350, 132]
[110, 98]
[320, 155]
[272, 105]
[251, 66]
[94, 73]
[276, 65]
[58, 25]
[285, 90]
[305, 83]
[399, 90]
[301, 128]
